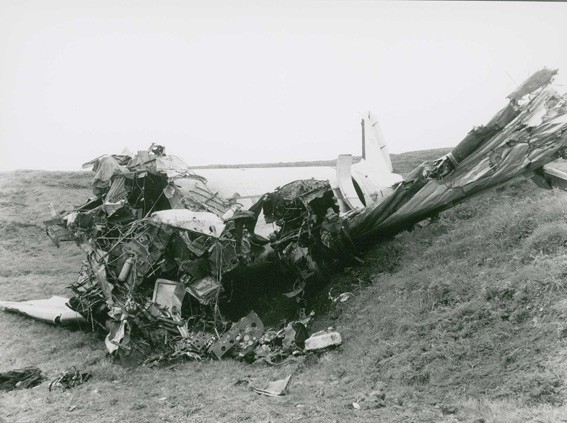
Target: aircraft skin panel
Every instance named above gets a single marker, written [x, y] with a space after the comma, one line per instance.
[254, 182]
[377, 155]
[344, 179]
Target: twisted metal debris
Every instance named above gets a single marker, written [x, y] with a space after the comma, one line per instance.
[167, 260]
[162, 251]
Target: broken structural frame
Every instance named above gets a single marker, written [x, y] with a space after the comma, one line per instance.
[142, 257]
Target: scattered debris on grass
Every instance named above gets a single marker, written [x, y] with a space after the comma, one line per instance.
[275, 388]
[69, 379]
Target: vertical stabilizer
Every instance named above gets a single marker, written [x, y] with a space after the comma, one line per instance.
[375, 150]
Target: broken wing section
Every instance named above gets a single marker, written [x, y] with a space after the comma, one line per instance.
[530, 132]
[53, 310]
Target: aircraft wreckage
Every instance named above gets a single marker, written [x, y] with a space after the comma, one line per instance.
[172, 267]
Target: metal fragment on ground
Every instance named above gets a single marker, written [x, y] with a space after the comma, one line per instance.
[70, 378]
[275, 388]
[323, 339]
[53, 310]
[243, 336]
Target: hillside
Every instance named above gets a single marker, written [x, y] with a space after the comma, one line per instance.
[404, 162]
[463, 318]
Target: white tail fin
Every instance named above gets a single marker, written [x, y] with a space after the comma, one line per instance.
[375, 150]
[373, 177]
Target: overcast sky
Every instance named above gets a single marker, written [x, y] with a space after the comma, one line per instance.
[245, 81]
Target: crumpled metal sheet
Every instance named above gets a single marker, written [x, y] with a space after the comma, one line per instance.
[191, 191]
[323, 339]
[275, 388]
[53, 310]
[114, 338]
[205, 290]
[169, 294]
[538, 79]
[201, 222]
[287, 199]
[105, 168]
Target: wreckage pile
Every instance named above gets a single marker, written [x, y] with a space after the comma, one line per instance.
[163, 254]
[167, 259]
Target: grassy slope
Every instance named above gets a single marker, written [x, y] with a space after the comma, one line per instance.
[405, 161]
[468, 311]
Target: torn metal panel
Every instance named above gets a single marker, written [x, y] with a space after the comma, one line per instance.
[539, 79]
[97, 262]
[191, 192]
[241, 336]
[118, 192]
[344, 179]
[156, 161]
[204, 223]
[288, 202]
[205, 290]
[57, 230]
[115, 337]
[197, 245]
[323, 339]
[224, 257]
[275, 388]
[106, 168]
[474, 139]
[169, 294]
